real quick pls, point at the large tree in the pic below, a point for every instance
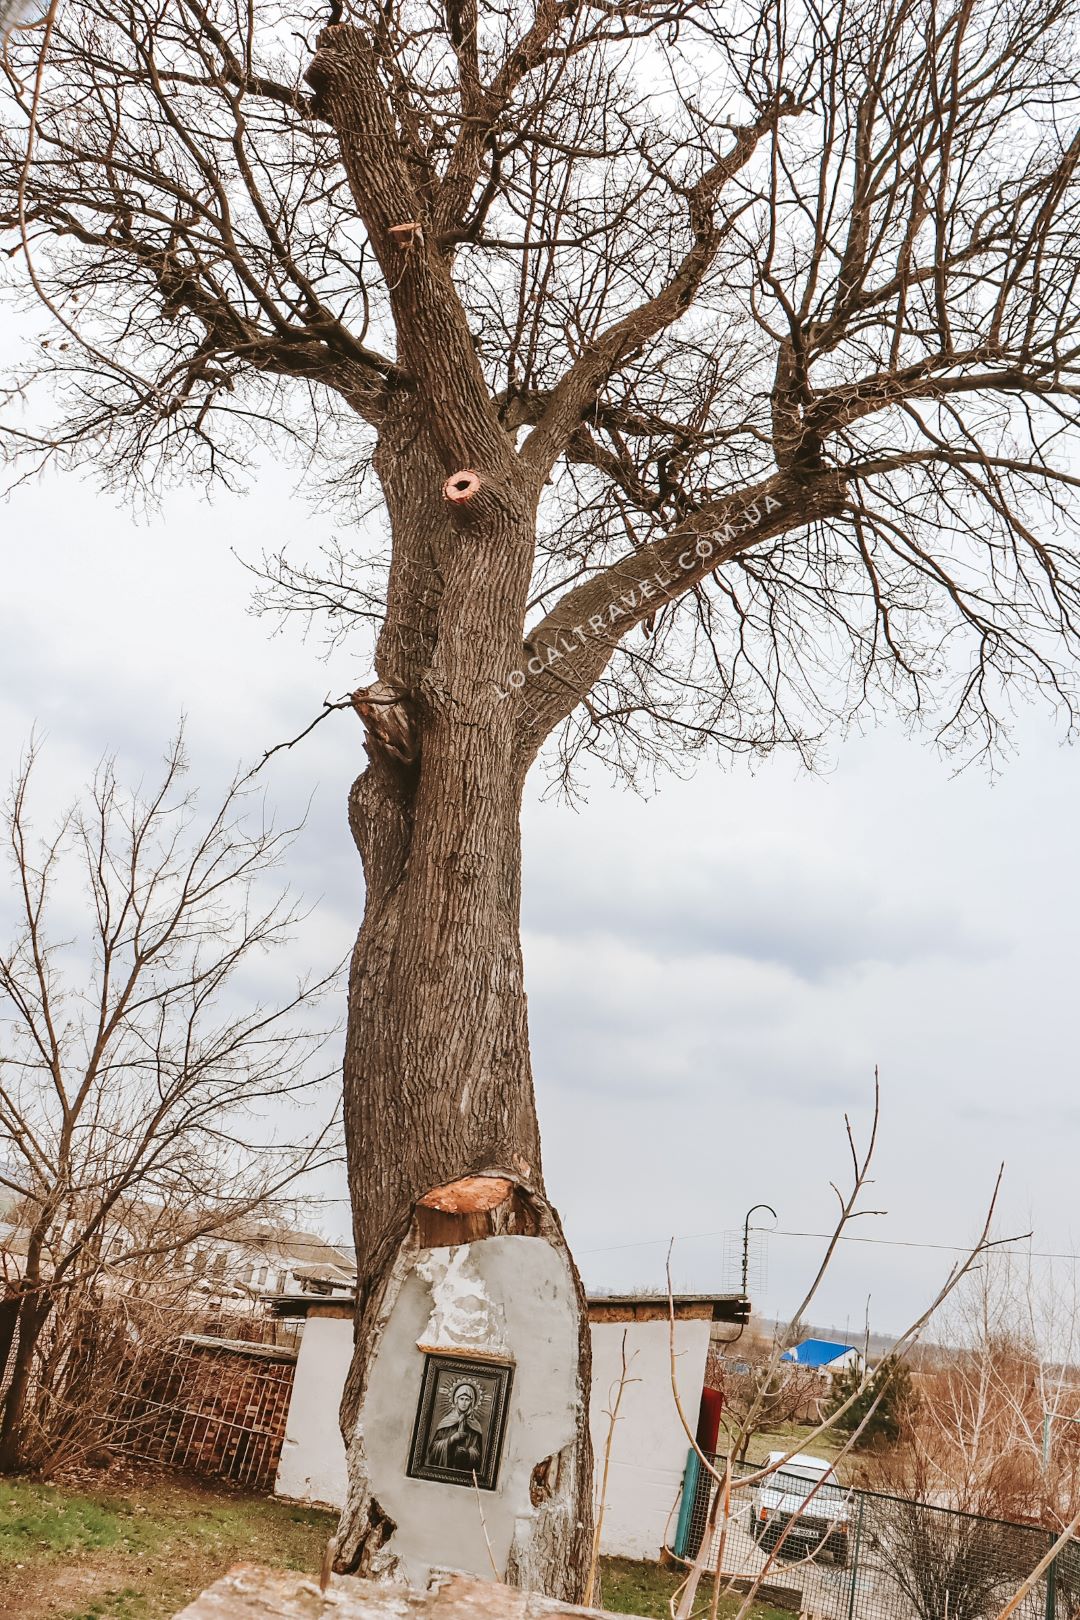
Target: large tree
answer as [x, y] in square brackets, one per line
[713, 368]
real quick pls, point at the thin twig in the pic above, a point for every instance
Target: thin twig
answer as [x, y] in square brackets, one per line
[612, 1414]
[484, 1528]
[328, 708]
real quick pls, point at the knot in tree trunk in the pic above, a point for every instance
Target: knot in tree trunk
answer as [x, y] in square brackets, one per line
[388, 722]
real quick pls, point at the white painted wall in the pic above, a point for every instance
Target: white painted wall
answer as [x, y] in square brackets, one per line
[312, 1466]
[648, 1451]
[649, 1447]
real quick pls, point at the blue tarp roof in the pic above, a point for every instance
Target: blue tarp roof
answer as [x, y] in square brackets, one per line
[816, 1352]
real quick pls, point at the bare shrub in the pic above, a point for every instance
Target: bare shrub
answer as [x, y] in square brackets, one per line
[146, 1101]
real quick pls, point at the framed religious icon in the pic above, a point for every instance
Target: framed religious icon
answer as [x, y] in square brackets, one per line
[460, 1421]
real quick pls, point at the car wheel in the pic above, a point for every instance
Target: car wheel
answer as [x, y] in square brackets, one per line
[840, 1551]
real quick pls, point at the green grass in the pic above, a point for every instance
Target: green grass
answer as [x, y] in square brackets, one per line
[145, 1552]
[43, 1521]
[632, 1587]
[140, 1554]
[126, 1604]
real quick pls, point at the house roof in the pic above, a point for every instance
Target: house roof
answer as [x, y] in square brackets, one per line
[280, 1242]
[731, 1308]
[602, 1307]
[816, 1352]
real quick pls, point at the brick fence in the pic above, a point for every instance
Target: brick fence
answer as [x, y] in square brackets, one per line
[213, 1407]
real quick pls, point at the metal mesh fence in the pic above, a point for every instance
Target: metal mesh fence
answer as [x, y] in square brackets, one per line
[209, 1409]
[846, 1554]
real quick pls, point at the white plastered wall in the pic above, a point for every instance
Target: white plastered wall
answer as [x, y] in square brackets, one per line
[648, 1451]
[312, 1466]
[519, 1292]
[649, 1446]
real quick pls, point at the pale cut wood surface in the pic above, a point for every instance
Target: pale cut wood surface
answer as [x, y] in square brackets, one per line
[250, 1593]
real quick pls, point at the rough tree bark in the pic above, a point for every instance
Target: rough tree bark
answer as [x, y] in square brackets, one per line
[438, 1083]
[32, 1316]
[33, 1312]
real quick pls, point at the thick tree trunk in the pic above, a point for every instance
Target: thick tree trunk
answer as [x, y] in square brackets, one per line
[438, 1083]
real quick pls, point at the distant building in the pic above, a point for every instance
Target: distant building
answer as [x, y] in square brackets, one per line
[824, 1356]
[12, 1191]
[256, 1259]
[248, 1261]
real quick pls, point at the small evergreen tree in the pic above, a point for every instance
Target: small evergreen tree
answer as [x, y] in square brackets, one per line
[889, 1387]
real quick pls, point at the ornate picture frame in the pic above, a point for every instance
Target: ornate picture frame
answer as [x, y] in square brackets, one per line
[460, 1425]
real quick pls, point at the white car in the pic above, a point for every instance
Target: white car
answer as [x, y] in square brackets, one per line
[779, 1502]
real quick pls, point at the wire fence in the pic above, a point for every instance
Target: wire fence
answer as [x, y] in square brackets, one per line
[846, 1554]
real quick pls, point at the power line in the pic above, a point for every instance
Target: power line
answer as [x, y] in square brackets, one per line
[892, 1243]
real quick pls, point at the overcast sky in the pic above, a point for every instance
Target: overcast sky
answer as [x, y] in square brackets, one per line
[713, 972]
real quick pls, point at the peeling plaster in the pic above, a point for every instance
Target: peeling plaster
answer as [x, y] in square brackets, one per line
[649, 1447]
[464, 1317]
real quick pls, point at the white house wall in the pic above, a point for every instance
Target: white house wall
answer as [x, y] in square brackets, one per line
[649, 1446]
[526, 1308]
[312, 1466]
[648, 1451]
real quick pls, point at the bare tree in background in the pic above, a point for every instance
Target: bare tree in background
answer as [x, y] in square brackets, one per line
[819, 1507]
[776, 1392]
[114, 1329]
[711, 369]
[968, 1480]
[976, 1439]
[149, 1094]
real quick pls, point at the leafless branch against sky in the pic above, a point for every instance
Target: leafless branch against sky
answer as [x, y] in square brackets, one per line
[147, 1080]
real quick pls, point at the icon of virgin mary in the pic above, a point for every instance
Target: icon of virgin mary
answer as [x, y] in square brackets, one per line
[458, 1440]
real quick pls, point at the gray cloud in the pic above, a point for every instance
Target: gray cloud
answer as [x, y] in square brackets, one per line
[712, 973]
[817, 911]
